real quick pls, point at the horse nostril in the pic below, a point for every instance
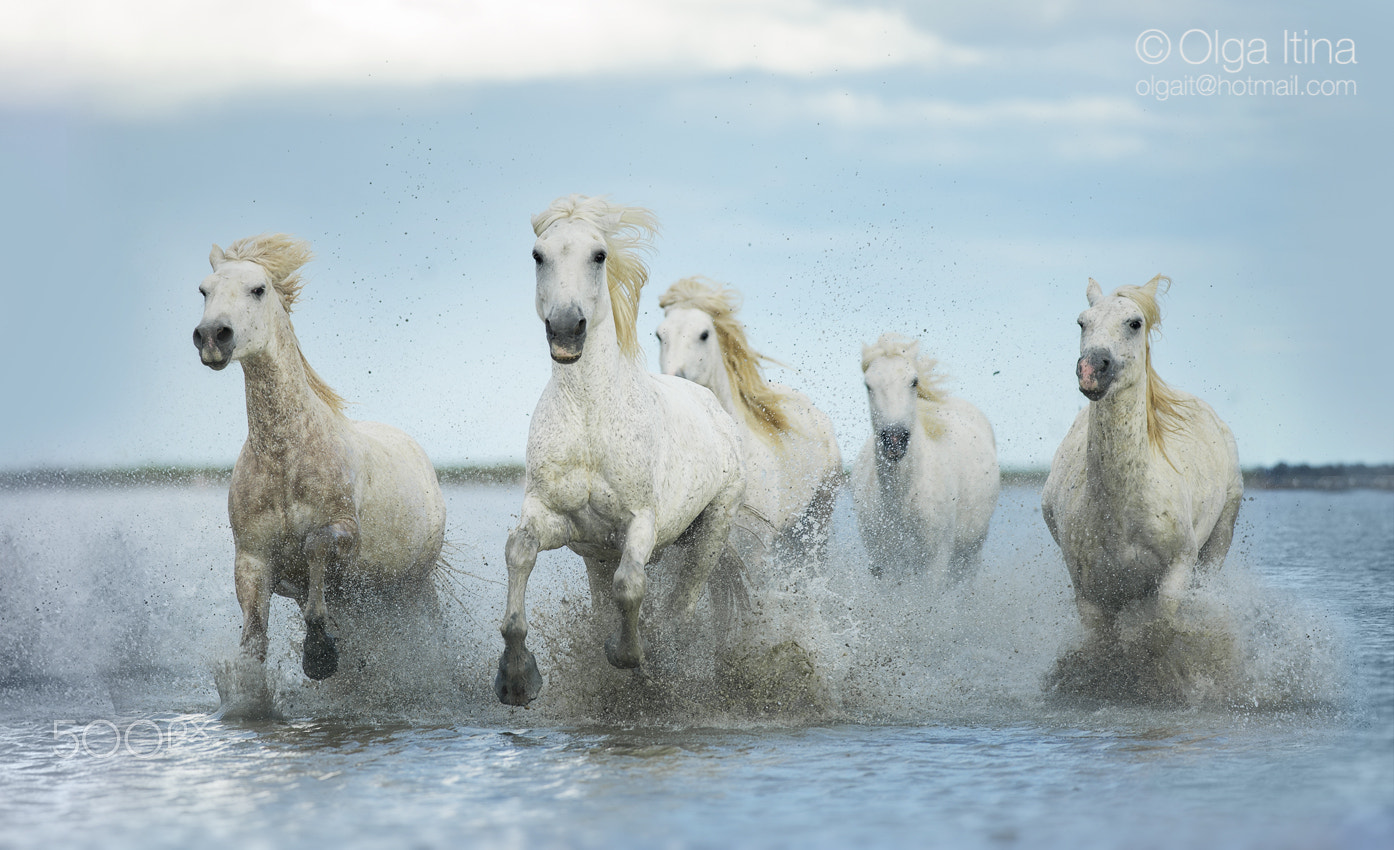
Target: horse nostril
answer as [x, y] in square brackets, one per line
[581, 326]
[198, 338]
[1103, 365]
[224, 335]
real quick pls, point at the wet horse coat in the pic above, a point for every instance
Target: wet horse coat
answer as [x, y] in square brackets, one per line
[1146, 485]
[318, 501]
[621, 463]
[793, 465]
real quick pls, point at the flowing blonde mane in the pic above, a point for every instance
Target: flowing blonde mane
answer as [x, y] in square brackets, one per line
[627, 232]
[762, 404]
[1167, 410]
[282, 257]
[930, 389]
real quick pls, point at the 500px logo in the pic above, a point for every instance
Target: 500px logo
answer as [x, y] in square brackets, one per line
[141, 738]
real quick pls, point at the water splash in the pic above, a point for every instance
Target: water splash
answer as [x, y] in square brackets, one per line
[122, 600]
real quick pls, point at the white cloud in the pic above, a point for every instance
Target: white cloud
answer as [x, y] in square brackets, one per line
[154, 53]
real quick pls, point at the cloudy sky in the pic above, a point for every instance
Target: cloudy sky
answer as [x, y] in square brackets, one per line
[955, 172]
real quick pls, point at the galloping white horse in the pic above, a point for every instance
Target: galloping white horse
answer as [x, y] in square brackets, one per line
[620, 462]
[925, 484]
[1146, 484]
[793, 466]
[318, 501]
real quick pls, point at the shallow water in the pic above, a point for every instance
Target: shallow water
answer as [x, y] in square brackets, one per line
[929, 720]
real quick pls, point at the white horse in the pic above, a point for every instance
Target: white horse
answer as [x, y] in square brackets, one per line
[1146, 484]
[620, 462]
[925, 484]
[793, 466]
[318, 501]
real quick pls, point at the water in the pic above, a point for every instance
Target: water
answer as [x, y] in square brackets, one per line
[929, 720]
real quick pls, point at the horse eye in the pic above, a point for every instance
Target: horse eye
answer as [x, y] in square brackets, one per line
[704, 336]
[259, 291]
[537, 256]
[915, 383]
[1135, 324]
[599, 256]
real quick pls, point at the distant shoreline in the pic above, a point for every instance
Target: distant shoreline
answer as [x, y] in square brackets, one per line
[1280, 477]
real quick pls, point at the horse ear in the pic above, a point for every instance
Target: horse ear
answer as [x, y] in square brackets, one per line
[216, 257]
[1094, 292]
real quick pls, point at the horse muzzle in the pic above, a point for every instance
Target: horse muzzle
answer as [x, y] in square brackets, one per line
[893, 442]
[1095, 372]
[566, 333]
[214, 343]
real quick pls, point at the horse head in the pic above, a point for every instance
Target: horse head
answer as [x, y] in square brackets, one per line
[904, 392]
[1113, 338]
[689, 346]
[239, 308]
[588, 271]
[892, 387]
[571, 291]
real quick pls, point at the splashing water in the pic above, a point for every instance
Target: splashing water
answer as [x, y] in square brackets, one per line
[125, 598]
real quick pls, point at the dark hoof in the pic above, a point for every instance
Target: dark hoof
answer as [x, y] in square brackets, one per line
[518, 680]
[321, 657]
[623, 660]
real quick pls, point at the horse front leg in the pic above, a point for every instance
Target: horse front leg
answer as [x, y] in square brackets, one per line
[334, 544]
[625, 648]
[252, 578]
[518, 680]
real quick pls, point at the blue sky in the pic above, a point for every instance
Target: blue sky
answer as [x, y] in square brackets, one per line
[952, 172]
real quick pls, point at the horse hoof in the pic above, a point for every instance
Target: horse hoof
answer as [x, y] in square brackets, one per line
[518, 680]
[625, 658]
[321, 657]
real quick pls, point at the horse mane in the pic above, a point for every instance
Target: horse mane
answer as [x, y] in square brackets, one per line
[282, 257]
[762, 404]
[1167, 409]
[930, 388]
[627, 232]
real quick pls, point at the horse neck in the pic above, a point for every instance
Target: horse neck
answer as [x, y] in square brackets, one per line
[1119, 453]
[282, 408]
[602, 376]
[725, 393]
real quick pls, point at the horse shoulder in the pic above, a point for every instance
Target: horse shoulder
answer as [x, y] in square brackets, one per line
[1065, 485]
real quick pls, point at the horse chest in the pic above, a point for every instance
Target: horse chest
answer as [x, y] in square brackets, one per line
[273, 507]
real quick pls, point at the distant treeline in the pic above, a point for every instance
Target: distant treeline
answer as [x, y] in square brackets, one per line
[1354, 476]
[1281, 477]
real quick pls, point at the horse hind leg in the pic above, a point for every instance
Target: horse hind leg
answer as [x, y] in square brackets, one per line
[334, 544]
[708, 538]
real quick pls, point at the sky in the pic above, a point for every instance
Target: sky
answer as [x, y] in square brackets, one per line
[953, 172]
